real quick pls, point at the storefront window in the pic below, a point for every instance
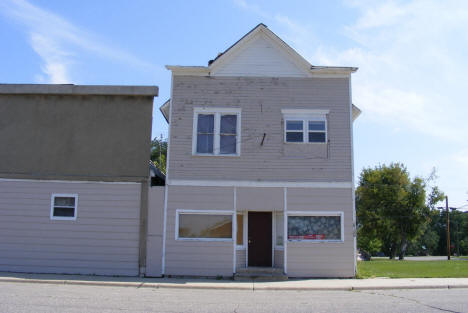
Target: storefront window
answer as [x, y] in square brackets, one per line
[314, 227]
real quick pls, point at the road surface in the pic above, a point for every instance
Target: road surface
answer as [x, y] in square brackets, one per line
[37, 298]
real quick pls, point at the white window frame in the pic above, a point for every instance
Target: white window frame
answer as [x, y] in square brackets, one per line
[275, 233]
[217, 112]
[305, 116]
[244, 230]
[205, 212]
[63, 218]
[316, 213]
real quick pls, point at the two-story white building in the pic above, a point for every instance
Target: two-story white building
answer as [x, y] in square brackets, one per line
[260, 164]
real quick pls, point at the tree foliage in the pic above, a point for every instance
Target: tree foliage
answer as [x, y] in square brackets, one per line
[391, 209]
[159, 153]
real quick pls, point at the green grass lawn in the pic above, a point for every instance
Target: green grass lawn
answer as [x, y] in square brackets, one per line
[412, 269]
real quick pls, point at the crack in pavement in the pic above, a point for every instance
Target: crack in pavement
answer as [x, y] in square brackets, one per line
[408, 299]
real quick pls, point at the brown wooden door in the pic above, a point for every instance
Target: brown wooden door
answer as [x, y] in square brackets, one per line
[259, 233]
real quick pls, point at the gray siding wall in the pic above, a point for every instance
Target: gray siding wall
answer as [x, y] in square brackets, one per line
[155, 231]
[260, 199]
[70, 137]
[103, 240]
[279, 258]
[241, 258]
[320, 259]
[189, 257]
[261, 101]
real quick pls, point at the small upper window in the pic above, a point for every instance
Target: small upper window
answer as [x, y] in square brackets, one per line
[216, 132]
[63, 207]
[302, 126]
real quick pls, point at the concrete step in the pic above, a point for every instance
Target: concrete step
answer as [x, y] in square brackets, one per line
[260, 274]
[256, 270]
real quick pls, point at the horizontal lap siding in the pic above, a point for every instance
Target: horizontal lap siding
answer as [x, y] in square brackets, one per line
[241, 258]
[261, 101]
[103, 240]
[279, 258]
[200, 258]
[320, 259]
[155, 231]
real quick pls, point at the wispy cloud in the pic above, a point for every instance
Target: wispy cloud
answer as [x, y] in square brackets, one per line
[410, 65]
[412, 62]
[59, 42]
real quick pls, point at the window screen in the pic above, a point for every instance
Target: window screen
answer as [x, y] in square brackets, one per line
[314, 227]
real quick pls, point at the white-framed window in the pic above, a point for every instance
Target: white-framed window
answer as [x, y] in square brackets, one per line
[305, 126]
[204, 225]
[279, 230]
[315, 226]
[63, 206]
[241, 232]
[216, 131]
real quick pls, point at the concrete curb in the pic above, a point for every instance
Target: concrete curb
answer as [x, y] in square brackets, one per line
[253, 286]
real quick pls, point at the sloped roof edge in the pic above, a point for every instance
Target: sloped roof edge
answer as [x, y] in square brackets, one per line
[165, 109]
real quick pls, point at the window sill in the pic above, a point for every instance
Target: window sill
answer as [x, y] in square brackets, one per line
[305, 143]
[58, 218]
[206, 239]
[215, 155]
[316, 241]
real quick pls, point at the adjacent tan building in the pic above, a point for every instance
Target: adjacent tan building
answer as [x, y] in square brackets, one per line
[74, 178]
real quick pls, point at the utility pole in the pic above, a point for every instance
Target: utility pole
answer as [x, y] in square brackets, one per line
[448, 228]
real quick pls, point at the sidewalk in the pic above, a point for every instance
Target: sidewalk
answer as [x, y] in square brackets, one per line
[292, 284]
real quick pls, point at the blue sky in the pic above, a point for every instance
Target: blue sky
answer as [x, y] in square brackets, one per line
[412, 59]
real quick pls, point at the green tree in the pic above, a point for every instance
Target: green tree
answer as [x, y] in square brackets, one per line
[391, 208]
[159, 153]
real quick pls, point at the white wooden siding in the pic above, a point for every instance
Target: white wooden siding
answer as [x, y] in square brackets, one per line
[240, 258]
[155, 231]
[260, 57]
[202, 258]
[103, 240]
[322, 259]
[279, 258]
[261, 101]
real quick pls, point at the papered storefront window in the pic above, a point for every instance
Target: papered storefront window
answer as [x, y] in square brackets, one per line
[192, 225]
[314, 227]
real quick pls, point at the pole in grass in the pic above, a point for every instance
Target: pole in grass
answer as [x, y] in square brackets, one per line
[448, 228]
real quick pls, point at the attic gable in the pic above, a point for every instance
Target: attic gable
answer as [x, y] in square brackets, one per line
[260, 53]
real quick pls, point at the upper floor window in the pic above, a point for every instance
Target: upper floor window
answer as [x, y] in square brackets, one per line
[216, 131]
[63, 206]
[305, 126]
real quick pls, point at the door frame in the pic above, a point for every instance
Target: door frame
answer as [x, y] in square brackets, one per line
[246, 236]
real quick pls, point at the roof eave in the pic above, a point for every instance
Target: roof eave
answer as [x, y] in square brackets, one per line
[333, 69]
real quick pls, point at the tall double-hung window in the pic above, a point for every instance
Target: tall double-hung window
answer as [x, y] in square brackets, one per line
[305, 126]
[216, 131]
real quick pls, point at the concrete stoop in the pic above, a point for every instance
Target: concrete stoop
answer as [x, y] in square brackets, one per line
[260, 274]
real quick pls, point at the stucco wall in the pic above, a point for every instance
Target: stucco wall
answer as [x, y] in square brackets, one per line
[74, 137]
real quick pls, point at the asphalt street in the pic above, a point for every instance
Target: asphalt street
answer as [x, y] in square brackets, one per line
[34, 297]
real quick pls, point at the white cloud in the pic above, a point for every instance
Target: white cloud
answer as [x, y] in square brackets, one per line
[58, 42]
[410, 65]
[412, 61]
